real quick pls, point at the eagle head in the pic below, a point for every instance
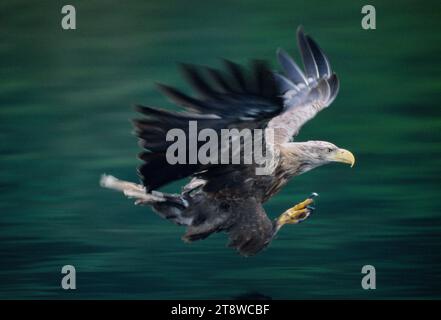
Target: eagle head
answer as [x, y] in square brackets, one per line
[305, 156]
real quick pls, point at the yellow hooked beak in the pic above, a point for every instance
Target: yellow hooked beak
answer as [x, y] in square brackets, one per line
[344, 156]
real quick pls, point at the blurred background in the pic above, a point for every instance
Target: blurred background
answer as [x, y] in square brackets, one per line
[66, 98]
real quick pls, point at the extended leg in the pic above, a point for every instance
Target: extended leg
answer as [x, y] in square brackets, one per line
[298, 213]
[168, 206]
[131, 190]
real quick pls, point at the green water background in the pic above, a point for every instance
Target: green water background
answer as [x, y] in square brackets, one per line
[66, 98]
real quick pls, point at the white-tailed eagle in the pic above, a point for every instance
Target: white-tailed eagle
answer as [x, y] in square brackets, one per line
[229, 197]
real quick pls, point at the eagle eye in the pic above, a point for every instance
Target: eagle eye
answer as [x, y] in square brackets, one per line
[329, 149]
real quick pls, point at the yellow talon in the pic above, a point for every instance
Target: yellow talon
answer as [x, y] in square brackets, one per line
[303, 204]
[297, 213]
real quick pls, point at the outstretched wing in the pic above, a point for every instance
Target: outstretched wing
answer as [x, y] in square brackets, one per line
[304, 93]
[235, 99]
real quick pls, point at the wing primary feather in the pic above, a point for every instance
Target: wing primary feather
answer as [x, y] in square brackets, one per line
[334, 83]
[154, 112]
[324, 90]
[217, 76]
[182, 99]
[322, 62]
[259, 73]
[284, 84]
[200, 84]
[264, 82]
[237, 73]
[311, 68]
[291, 69]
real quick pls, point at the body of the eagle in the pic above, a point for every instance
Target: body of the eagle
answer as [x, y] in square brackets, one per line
[230, 197]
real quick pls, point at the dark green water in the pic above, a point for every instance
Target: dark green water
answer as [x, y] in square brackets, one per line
[65, 102]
